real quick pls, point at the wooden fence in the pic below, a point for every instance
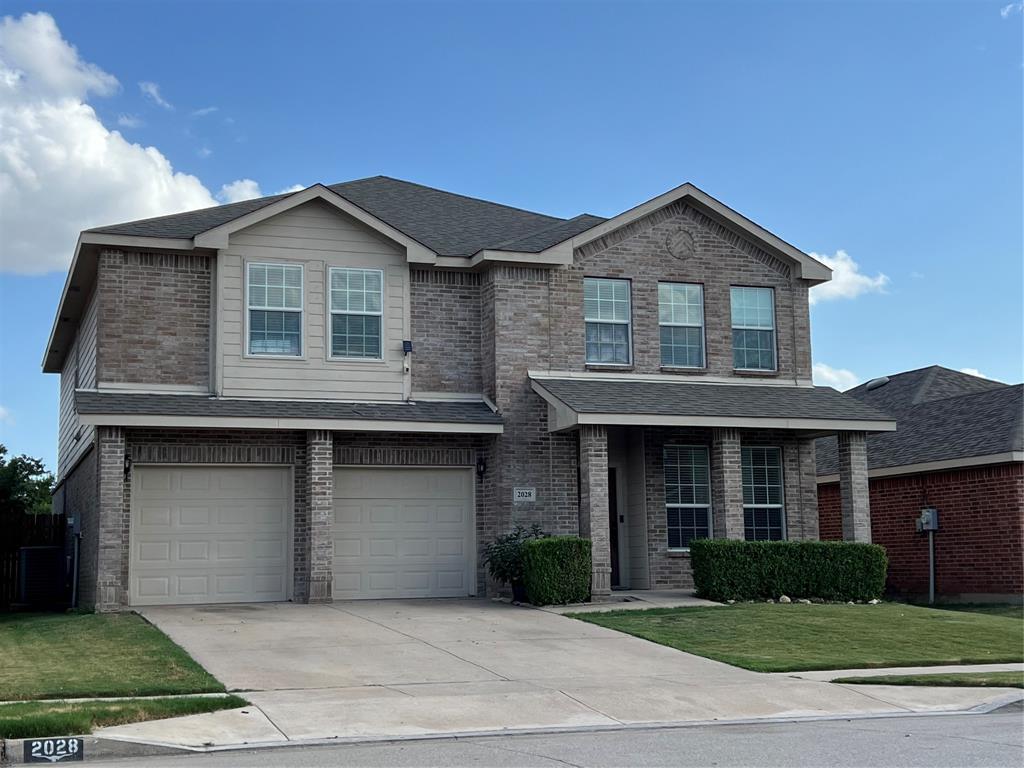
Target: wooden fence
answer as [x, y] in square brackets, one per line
[22, 530]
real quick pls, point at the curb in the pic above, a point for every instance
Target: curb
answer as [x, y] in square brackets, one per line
[108, 748]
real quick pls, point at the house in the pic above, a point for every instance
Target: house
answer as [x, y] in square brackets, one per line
[960, 450]
[346, 391]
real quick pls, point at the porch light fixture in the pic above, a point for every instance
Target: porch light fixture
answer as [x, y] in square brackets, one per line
[481, 466]
[406, 347]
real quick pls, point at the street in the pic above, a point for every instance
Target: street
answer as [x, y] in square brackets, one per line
[935, 740]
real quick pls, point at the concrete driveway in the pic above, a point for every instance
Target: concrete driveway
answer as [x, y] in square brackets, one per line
[380, 669]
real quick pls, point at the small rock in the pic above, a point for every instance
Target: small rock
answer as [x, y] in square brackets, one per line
[804, 601]
[875, 601]
[769, 600]
[850, 602]
[818, 600]
[784, 599]
[730, 602]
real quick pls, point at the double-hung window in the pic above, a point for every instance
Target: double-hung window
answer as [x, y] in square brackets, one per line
[762, 493]
[274, 301]
[687, 495]
[357, 301]
[753, 329]
[681, 320]
[606, 312]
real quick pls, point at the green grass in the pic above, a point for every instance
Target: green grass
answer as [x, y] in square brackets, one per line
[77, 655]
[789, 638]
[38, 719]
[973, 679]
[991, 609]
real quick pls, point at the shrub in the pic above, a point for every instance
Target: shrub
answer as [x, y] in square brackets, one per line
[504, 556]
[557, 570]
[747, 570]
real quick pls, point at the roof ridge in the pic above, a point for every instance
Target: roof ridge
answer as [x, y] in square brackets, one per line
[541, 231]
[457, 194]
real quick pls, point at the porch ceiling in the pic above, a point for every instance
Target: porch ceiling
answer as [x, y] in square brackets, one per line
[646, 402]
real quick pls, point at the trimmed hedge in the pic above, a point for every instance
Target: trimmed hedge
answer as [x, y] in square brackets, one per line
[725, 569]
[557, 570]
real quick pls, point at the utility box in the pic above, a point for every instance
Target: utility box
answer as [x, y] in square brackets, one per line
[929, 520]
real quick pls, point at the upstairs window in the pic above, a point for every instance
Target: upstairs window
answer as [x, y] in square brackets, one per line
[687, 495]
[761, 470]
[681, 321]
[357, 302]
[606, 311]
[274, 296]
[753, 329]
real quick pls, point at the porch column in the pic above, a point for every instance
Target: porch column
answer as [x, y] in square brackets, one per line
[726, 484]
[853, 486]
[594, 507]
[320, 501]
[111, 521]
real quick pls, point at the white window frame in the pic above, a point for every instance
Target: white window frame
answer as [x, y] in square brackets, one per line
[301, 311]
[702, 326]
[331, 312]
[708, 506]
[782, 491]
[773, 329]
[628, 322]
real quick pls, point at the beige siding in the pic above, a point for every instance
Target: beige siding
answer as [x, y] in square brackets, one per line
[73, 439]
[317, 236]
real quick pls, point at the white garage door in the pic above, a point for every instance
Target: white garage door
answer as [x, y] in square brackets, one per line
[209, 535]
[403, 533]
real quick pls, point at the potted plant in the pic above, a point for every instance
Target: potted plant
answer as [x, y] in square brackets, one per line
[504, 558]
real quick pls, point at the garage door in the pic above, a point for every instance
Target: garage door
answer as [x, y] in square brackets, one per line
[209, 535]
[403, 533]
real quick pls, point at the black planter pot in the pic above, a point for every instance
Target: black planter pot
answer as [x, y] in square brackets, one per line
[518, 591]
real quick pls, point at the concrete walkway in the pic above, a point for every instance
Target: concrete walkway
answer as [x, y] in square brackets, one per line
[832, 674]
[371, 670]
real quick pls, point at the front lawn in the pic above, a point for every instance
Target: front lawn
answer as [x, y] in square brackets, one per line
[957, 679]
[38, 719]
[1010, 610]
[79, 655]
[788, 638]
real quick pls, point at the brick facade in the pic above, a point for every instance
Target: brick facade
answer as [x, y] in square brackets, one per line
[445, 314]
[978, 549]
[319, 517]
[154, 319]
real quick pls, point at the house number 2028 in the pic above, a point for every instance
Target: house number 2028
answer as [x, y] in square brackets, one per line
[53, 750]
[524, 494]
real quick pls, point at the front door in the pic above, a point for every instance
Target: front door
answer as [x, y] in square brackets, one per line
[613, 524]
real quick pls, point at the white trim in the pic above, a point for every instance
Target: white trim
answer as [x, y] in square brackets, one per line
[218, 236]
[331, 312]
[773, 329]
[244, 422]
[783, 523]
[247, 340]
[702, 326]
[709, 506]
[137, 241]
[148, 388]
[746, 381]
[1008, 457]
[628, 322]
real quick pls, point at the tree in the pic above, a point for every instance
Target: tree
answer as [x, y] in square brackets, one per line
[25, 485]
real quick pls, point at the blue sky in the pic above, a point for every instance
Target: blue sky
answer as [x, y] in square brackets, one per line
[891, 132]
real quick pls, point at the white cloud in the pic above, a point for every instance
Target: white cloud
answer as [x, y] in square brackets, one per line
[204, 152]
[152, 90]
[292, 188]
[204, 111]
[840, 378]
[128, 121]
[236, 191]
[61, 170]
[5, 416]
[1011, 8]
[976, 372]
[847, 281]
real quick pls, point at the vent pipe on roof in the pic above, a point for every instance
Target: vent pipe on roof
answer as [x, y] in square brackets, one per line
[881, 381]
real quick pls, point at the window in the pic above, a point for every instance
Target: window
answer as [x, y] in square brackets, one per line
[687, 495]
[762, 494]
[606, 312]
[681, 317]
[357, 299]
[275, 309]
[753, 329]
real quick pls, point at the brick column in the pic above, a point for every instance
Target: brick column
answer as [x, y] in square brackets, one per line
[594, 507]
[320, 501]
[853, 486]
[726, 483]
[112, 521]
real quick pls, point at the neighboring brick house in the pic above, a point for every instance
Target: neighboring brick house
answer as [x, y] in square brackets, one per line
[959, 449]
[346, 391]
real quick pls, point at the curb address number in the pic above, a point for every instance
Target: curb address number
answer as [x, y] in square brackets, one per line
[53, 750]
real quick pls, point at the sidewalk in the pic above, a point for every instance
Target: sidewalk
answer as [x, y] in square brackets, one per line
[832, 674]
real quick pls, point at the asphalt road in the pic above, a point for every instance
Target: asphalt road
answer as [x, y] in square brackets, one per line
[951, 740]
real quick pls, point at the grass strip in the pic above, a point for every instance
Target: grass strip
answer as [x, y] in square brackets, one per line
[953, 679]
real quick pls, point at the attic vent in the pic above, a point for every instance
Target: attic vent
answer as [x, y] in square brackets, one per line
[881, 381]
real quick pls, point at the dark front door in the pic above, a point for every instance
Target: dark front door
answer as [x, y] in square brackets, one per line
[613, 524]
